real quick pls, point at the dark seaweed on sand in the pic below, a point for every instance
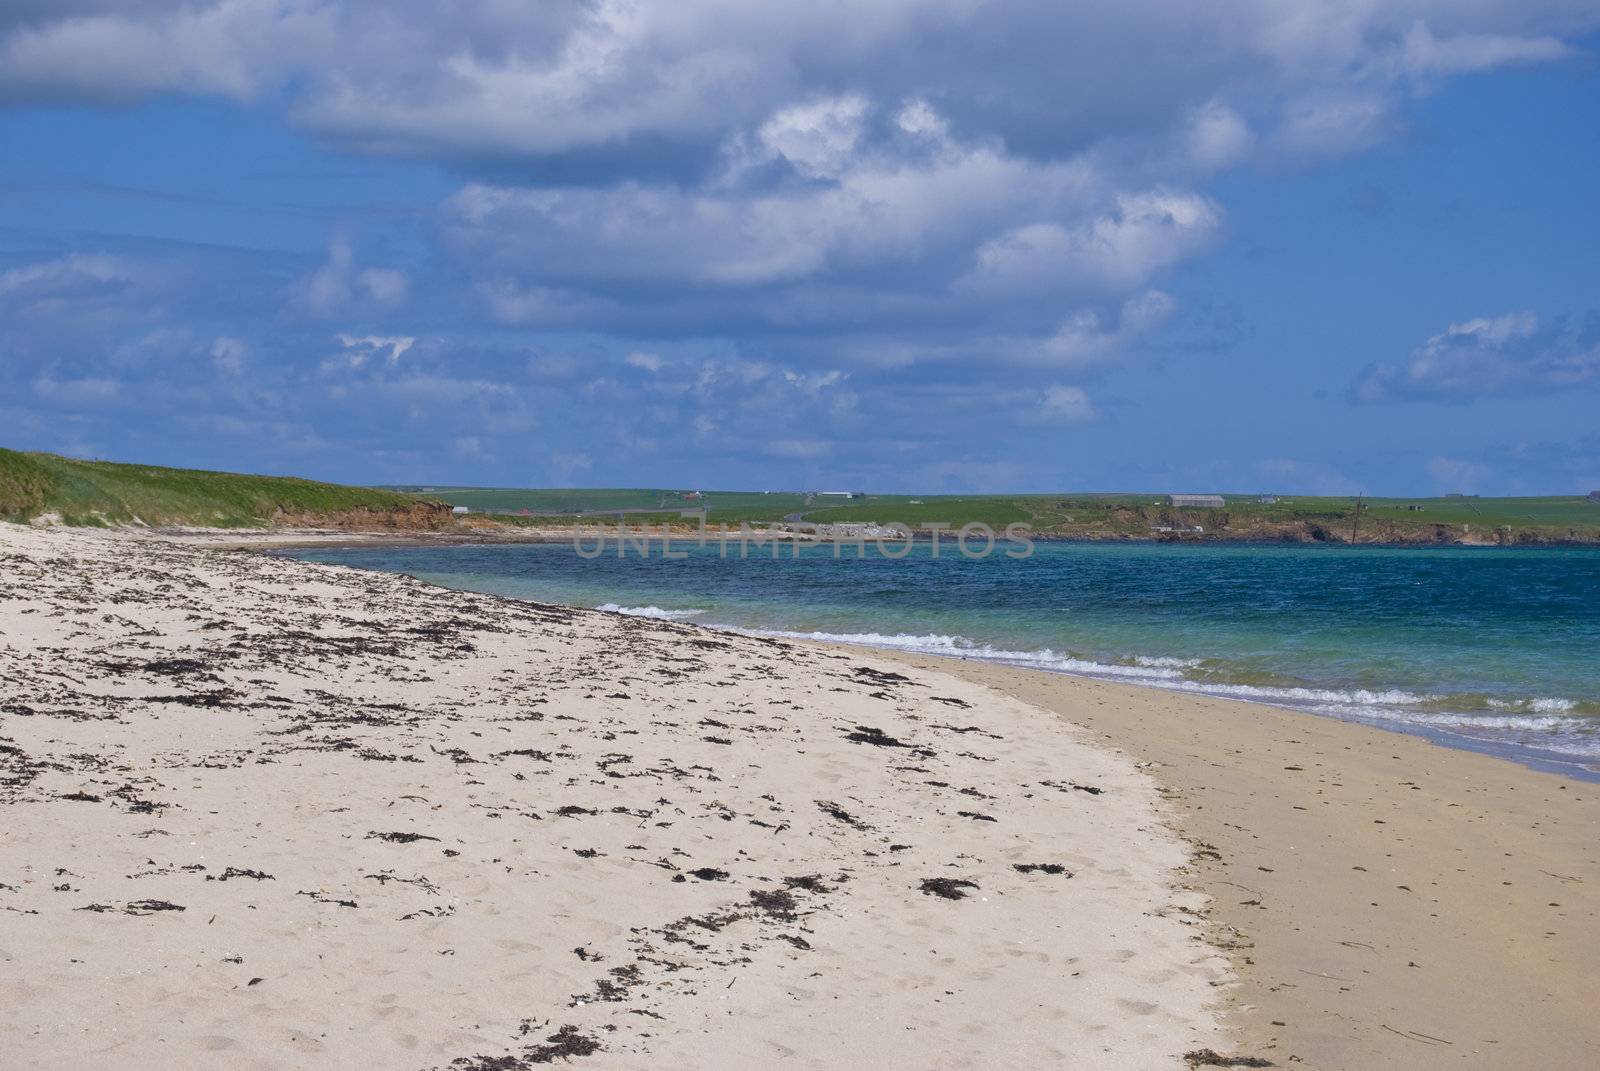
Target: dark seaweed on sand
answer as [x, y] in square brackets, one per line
[868, 734]
[564, 1044]
[1211, 1058]
[833, 810]
[949, 888]
[234, 872]
[150, 907]
[774, 903]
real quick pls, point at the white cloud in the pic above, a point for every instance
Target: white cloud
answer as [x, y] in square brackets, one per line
[327, 291]
[1489, 356]
[813, 383]
[227, 47]
[229, 355]
[1424, 54]
[894, 218]
[489, 78]
[919, 118]
[1327, 123]
[827, 186]
[338, 284]
[624, 86]
[1067, 405]
[65, 276]
[386, 286]
[1216, 136]
[817, 138]
[1140, 234]
[365, 346]
[1085, 338]
[880, 209]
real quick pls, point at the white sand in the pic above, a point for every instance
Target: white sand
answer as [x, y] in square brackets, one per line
[169, 713]
[1389, 903]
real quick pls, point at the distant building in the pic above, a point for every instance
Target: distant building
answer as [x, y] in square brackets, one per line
[1594, 496]
[1203, 501]
[1458, 494]
[842, 494]
[461, 511]
[1267, 500]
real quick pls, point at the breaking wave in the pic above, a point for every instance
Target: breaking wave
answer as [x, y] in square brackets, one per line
[655, 612]
[1557, 724]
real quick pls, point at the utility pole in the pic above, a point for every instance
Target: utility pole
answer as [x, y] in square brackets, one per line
[1355, 527]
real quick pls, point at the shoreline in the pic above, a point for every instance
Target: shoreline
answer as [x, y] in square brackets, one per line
[1387, 902]
[511, 535]
[1540, 761]
[1528, 755]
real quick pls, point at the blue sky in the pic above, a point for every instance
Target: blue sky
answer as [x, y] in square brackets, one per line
[905, 245]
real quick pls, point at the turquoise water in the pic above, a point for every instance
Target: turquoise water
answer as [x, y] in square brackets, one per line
[1493, 649]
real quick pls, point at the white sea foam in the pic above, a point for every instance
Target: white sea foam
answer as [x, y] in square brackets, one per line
[1540, 705]
[1547, 718]
[1532, 722]
[1392, 697]
[655, 612]
[1165, 663]
[962, 647]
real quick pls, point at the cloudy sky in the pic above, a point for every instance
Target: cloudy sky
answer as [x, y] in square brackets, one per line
[919, 245]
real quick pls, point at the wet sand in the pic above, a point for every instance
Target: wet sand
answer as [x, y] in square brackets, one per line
[1389, 903]
[266, 813]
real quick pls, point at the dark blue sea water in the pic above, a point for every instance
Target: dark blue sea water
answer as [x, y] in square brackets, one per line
[1494, 649]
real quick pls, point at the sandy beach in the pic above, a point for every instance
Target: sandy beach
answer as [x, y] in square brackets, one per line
[285, 815]
[1388, 903]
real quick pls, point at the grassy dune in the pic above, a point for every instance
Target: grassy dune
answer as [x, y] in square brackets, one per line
[105, 493]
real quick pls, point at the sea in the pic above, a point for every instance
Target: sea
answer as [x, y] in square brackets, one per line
[1495, 650]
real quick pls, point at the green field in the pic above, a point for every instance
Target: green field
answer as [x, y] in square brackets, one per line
[1081, 515]
[723, 506]
[541, 500]
[103, 493]
[1549, 510]
[106, 493]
